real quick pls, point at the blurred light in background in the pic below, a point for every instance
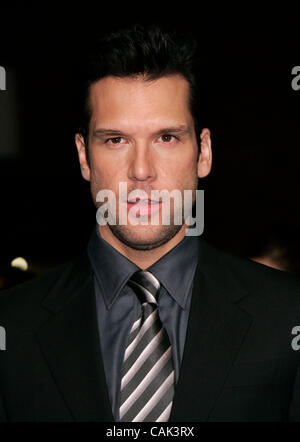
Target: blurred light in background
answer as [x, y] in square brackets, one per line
[20, 263]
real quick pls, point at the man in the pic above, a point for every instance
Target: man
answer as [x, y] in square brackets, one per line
[150, 324]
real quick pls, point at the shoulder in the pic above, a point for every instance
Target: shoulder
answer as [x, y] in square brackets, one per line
[25, 299]
[251, 276]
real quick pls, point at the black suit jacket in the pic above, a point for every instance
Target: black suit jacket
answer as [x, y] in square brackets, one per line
[238, 362]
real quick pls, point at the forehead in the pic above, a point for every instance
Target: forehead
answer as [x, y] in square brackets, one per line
[127, 101]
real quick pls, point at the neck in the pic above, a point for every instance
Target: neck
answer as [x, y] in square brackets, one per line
[142, 258]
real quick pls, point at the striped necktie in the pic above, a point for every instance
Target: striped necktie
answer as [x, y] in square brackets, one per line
[147, 386]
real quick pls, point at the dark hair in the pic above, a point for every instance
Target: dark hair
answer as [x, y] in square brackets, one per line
[148, 50]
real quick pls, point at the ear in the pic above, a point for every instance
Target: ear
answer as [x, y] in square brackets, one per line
[81, 149]
[205, 157]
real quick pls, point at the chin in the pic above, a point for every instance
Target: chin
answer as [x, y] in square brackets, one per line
[145, 237]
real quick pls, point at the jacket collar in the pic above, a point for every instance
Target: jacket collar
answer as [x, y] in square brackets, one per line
[70, 344]
[216, 329]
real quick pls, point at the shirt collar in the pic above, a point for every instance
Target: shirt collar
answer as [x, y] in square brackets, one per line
[175, 270]
[111, 268]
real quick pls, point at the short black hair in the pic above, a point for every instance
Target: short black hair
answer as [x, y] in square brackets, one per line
[150, 50]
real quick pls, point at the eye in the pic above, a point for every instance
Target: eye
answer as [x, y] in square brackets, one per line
[115, 140]
[167, 138]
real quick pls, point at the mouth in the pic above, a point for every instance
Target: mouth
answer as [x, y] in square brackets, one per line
[142, 201]
[143, 206]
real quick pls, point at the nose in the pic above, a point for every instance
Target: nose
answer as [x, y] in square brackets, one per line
[141, 166]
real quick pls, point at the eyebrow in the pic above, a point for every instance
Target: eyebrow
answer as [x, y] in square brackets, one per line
[113, 132]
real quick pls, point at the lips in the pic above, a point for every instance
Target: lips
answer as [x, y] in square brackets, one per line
[142, 201]
[143, 207]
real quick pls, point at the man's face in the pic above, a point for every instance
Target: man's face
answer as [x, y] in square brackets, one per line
[142, 134]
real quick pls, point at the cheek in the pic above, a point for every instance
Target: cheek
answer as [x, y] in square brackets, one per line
[182, 175]
[106, 175]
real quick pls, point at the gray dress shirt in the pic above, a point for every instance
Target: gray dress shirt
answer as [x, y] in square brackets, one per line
[118, 307]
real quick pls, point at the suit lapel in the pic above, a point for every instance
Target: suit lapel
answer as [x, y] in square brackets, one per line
[70, 344]
[216, 329]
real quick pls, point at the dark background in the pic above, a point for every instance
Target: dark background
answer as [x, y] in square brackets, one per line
[252, 111]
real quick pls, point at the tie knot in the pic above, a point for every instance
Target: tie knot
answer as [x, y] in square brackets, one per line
[145, 285]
